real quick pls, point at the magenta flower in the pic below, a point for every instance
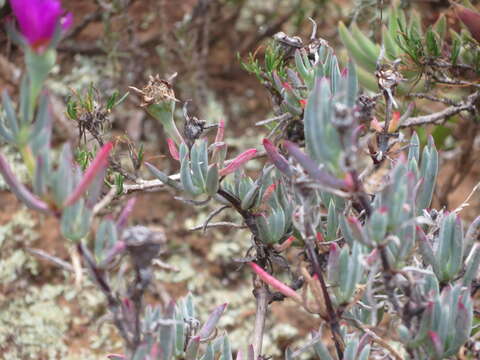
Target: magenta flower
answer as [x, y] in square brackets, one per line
[38, 18]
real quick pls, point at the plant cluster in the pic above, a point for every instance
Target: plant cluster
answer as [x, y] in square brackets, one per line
[388, 275]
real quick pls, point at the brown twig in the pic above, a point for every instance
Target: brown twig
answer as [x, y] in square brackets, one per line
[155, 185]
[375, 337]
[333, 318]
[433, 98]
[468, 105]
[218, 224]
[262, 297]
[55, 260]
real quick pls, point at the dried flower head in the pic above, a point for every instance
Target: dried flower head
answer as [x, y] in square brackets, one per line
[156, 91]
[143, 244]
[388, 77]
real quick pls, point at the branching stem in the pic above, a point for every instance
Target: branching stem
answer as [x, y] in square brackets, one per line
[262, 297]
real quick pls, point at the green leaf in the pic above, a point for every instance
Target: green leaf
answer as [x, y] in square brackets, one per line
[352, 84]
[38, 67]
[433, 47]
[180, 330]
[75, 221]
[25, 109]
[141, 353]
[354, 49]
[367, 79]
[440, 26]
[10, 114]
[456, 45]
[322, 138]
[392, 50]
[364, 355]
[226, 349]
[186, 177]
[6, 134]
[322, 351]
[111, 101]
[211, 184]
[42, 170]
[371, 49]
[209, 353]
[428, 171]
[105, 239]
[63, 178]
[414, 148]
[351, 350]
[288, 354]
[192, 348]
[277, 225]
[445, 244]
[248, 200]
[332, 222]
[198, 176]
[167, 332]
[189, 306]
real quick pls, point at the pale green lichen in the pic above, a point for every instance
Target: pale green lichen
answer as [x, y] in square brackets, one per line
[36, 314]
[14, 159]
[14, 237]
[86, 71]
[33, 325]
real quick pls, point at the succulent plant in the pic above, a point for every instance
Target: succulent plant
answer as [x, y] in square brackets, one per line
[368, 255]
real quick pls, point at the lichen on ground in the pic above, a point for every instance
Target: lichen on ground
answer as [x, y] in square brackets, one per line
[40, 318]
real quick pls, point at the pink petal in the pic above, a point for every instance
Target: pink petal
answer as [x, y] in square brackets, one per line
[67, 21]
[37, 19]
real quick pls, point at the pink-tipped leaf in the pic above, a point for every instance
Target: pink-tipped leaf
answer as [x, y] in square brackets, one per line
[172, 147]
[22, 193]
[220, 131]
[126, 211]
[97, 166]
[209, 326]
[276, 284]
[276, 158]
[238, 162]
[321, 176]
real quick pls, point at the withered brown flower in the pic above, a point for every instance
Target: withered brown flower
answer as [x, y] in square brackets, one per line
[156, 91]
